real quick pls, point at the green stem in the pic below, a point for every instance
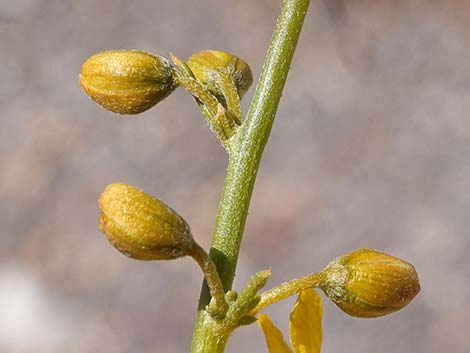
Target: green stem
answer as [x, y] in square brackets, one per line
[211, 336]
[247, 148]
[286, 289]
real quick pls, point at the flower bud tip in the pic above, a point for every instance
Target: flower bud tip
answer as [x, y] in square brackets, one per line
[141, 226]
[127, 81]
[368, 283]
[206, 64]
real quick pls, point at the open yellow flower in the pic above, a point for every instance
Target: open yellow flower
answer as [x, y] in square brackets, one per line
[305, 326]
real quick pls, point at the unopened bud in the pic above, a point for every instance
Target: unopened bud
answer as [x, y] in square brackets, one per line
[127, 81]
[207, 64]
[141, 226]
[368, 283]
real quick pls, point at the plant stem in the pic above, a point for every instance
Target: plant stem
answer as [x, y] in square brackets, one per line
[247, 148]
[286, 289]
[212, 278]
[211, 336]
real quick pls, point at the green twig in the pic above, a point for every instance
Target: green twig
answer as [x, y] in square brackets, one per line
[287, 289]
[218, 306]
[247, 148]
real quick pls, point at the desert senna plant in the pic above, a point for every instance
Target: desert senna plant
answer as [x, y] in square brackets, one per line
[363, 283]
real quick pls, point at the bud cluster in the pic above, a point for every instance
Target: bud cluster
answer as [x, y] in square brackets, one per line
[363, 283]
[132, 81]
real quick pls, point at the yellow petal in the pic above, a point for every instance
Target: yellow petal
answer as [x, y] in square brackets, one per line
[274, 339]
[305, 323]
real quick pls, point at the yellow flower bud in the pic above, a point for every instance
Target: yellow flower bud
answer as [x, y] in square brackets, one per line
[141, 226]
[206, 64]
[368, 283]
[127, 81]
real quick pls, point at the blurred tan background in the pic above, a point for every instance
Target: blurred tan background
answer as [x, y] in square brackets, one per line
[371, 148]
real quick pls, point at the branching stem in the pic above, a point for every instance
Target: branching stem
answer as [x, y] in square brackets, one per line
[247, 147]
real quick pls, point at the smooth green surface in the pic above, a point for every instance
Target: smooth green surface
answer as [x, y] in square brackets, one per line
[247, 148]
